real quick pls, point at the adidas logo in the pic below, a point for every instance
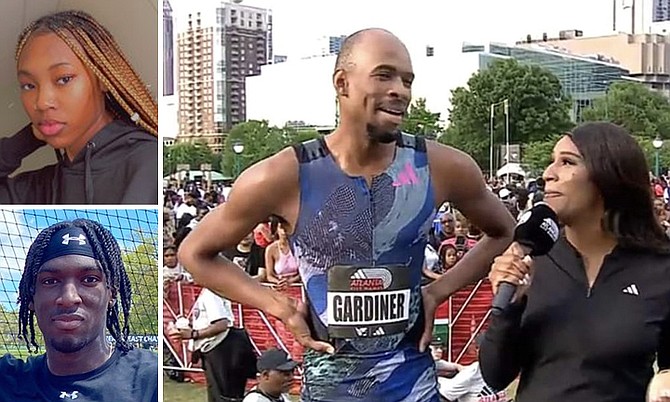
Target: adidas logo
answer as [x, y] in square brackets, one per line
[406, 176]
[631, 290]
[379, 332]
[361, 331]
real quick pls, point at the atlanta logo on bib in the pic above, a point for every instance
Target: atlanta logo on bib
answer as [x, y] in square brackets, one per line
[367, 301]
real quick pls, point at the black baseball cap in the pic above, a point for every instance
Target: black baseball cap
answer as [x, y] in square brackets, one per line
[275, 359]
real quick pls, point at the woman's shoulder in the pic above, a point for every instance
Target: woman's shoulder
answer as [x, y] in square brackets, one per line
[656, 260]
[120, 133]
[273, 247]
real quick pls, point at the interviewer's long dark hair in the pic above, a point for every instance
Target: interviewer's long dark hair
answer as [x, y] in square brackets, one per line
[618, 168]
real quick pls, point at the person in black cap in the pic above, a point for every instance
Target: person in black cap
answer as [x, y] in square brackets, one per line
[74, 283]
[275, 377]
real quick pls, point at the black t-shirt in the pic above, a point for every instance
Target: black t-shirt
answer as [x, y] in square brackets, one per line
[249, 260]
[125, 377]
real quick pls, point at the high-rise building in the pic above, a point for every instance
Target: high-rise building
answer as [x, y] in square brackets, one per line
[220, 47]
[278, 58]
[335, 43]
[168, 50]
[661, 11]
[269, 37]
[324, 46]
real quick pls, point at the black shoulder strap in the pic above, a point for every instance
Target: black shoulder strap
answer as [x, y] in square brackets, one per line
[310, 150]
[412, 141]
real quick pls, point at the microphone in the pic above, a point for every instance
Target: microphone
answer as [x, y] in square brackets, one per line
[536, 233]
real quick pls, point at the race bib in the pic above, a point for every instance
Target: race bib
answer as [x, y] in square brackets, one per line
[368, 301]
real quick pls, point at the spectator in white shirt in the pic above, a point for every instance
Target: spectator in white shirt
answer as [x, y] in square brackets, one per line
[188, 206]
[226, 352]
[468, 385]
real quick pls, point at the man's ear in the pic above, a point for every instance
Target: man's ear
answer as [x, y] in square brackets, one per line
[112, 298]
[341, 83]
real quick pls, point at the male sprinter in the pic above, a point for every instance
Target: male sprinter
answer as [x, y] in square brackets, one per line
[358, 205]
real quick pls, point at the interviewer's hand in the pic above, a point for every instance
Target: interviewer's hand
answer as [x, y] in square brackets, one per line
[659, 387]
[514, 267]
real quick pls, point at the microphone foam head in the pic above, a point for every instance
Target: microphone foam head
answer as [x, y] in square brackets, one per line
[538, 229]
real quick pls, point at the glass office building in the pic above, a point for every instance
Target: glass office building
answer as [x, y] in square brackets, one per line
[582, 79]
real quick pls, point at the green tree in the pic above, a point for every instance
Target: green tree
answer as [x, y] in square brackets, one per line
[9, 325]
[194, 154]
[260, 141]
[643, 112]
[650, 153]
[537, 108]
[421, 121]
[537, 154]
[293, 135]
[141, 265]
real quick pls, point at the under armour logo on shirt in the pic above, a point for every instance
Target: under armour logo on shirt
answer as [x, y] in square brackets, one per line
[81, 239]
[72, 395]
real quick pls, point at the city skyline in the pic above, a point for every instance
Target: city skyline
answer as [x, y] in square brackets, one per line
[297, 23]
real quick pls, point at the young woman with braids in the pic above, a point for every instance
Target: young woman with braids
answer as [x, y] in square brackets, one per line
[85, 100]
[75, 284]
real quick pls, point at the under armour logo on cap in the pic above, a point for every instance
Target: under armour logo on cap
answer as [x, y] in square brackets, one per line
[68, 241]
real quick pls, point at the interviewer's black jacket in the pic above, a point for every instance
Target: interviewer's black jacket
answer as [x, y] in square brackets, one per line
[119, 165]
[572, 343]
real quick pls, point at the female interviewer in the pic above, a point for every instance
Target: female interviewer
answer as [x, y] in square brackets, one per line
[590, 317]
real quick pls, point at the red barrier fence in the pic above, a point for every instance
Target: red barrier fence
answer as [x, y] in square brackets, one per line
[458, 320]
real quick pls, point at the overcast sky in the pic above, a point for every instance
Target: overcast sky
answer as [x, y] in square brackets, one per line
[298, 23]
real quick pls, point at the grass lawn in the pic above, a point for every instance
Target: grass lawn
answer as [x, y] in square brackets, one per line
[183, 391]
[187, 392]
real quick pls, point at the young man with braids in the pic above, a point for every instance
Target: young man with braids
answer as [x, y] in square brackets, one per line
[75, 285]
[85, 100]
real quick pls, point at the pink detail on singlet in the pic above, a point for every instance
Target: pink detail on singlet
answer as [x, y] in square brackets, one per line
[286, 265]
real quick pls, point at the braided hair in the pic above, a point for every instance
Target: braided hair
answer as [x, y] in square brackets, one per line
[108, 255]
[128, 97]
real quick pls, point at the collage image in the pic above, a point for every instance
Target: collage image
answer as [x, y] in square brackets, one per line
[79, 192]
[334, 201]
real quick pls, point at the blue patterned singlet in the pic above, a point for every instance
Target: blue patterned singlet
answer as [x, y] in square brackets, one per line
[343, 221]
